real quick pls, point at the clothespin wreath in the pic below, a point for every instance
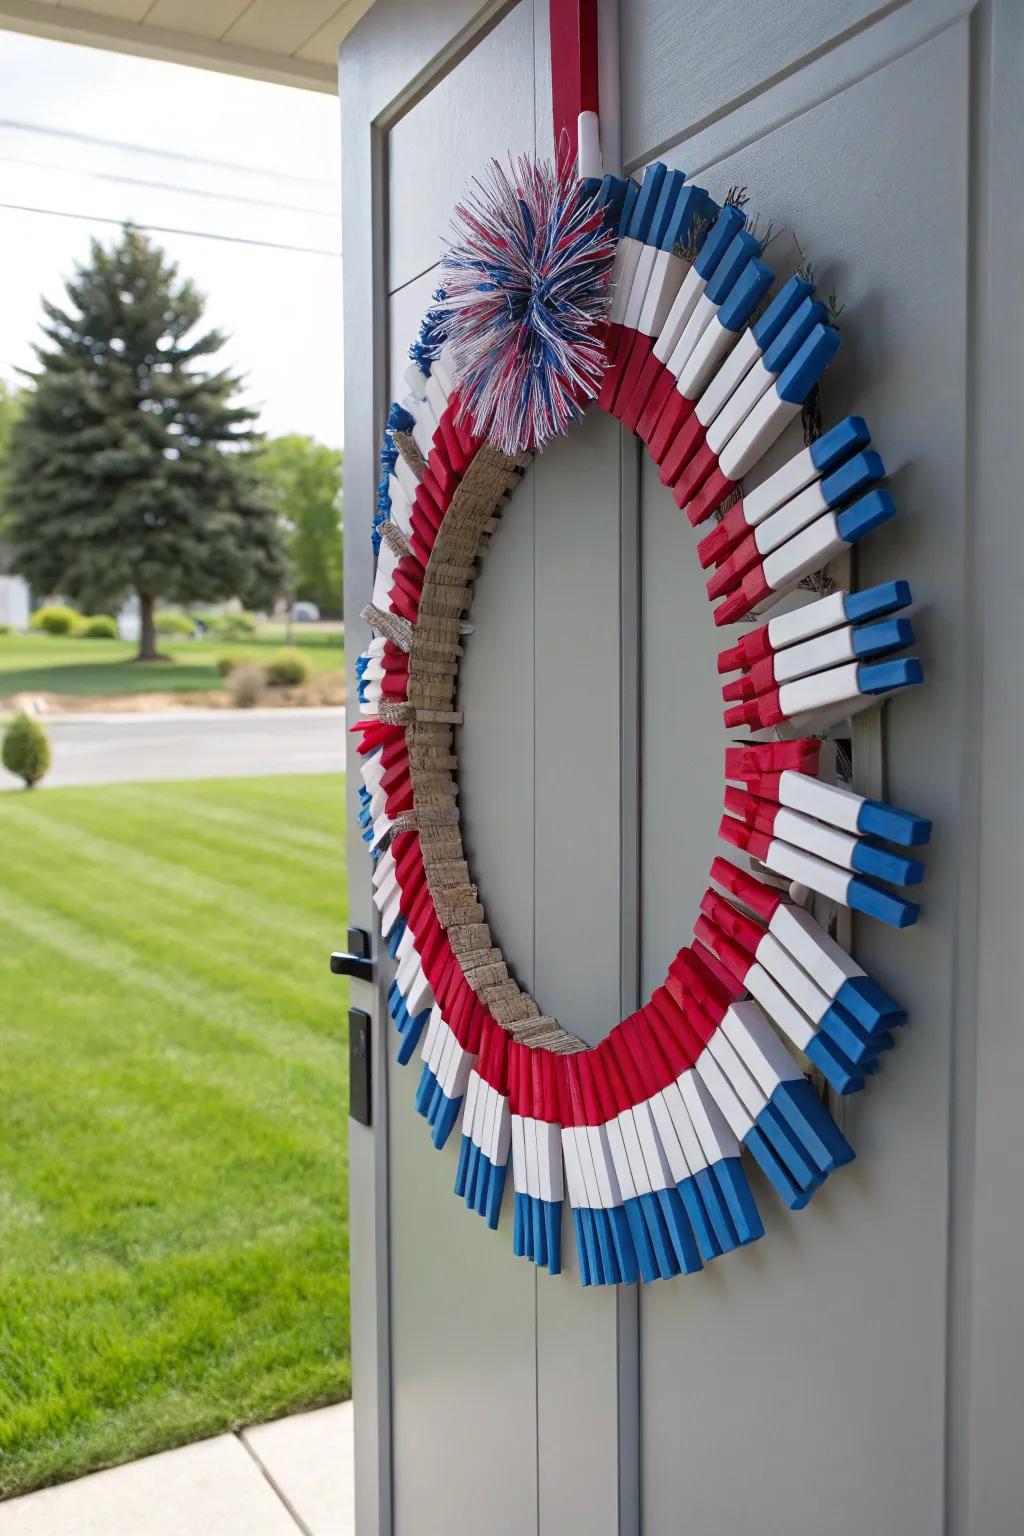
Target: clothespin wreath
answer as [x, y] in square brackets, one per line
[561, 287]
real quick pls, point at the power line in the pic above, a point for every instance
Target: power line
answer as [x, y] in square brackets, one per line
[167, 229]
[143, 149]
[167, 186]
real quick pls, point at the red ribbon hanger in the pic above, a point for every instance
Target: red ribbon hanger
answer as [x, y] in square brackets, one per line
[574, 91]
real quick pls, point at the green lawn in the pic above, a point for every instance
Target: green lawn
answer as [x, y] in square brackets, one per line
[173, 1154]
[38, 663]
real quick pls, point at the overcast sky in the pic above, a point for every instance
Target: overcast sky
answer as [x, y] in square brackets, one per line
[98, 137]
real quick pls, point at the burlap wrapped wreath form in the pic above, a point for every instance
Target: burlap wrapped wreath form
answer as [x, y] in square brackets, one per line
[429, 716]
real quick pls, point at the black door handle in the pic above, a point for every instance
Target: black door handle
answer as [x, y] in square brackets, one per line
[356, 960]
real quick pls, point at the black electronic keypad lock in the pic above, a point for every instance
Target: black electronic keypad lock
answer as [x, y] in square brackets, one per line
[359, 1072]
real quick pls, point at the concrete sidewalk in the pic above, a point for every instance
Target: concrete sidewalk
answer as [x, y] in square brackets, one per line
[281, 1479]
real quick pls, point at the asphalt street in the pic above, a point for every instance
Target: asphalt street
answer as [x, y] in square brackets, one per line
[191, 744]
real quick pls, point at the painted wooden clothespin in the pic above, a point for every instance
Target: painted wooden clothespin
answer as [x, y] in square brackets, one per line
[849, 851]
[789, 1135]
[836, 691]
[749, 351]
[719, 470]
[632, 240]
[794, 1139]
[719, 917]
[780, 1007]
[841, 807]
[824, 456]
[723, 1184]
[746, 288]
[849, 481]
[728, 225]
[741, 252]
[658, 275]
[828, 536]
[819, 874]
[486, 1128]
[767, 395]
[861, 642]
[683, 459]
[665, 1055]
[815, 618]
[537, 1164]
[836, 973]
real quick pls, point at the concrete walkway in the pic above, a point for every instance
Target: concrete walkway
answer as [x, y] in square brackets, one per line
[190, 744]
[281, 1479]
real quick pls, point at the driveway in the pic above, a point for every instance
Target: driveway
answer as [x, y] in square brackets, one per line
[191, 744]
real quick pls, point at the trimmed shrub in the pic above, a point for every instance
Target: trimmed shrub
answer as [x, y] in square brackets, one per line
[171, 621]
[246, 685]
[26, 749]
[232, 626]
[55, 619]
[287, 668]
[98, 626]
[5, 629]
[227, 664]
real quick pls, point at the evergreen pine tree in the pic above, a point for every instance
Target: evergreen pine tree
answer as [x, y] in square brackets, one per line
[130, 468]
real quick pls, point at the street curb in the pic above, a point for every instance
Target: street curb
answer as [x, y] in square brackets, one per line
[135, 717]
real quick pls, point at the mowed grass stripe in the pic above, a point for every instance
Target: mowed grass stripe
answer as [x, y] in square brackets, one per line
[173, 1240]
[258, 966]
[216, 1008]
[222, 851]
[244, 828]
[151, 873]
[246, 1122]
[261, 802]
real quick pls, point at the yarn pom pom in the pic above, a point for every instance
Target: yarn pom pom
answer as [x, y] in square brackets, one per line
[526, 284]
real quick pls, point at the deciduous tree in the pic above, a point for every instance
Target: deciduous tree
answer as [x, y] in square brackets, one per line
[304, 480]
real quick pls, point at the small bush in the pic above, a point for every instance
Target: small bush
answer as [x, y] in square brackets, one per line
[5, 629]
[227, 664]
[286, 669]
[233, 626]
[246, 685]
[171, 621]
[26, 749]
[98, 626]
[55, 619]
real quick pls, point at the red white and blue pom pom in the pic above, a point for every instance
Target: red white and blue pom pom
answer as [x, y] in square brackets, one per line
[526, 284]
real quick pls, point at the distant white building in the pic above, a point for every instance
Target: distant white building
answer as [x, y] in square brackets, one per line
[129, 623]
[15, 602]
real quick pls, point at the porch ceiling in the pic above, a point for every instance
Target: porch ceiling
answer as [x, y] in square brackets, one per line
[294, 42]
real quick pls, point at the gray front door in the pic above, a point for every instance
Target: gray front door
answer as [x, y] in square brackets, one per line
[815, 1382]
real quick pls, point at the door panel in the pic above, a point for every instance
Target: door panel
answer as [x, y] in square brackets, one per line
[796, 1366]
[682, 734]
[578, 919]
[540, 763]
[463, 1313]
[696, 57]
[482, 110]
[488, 1359]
